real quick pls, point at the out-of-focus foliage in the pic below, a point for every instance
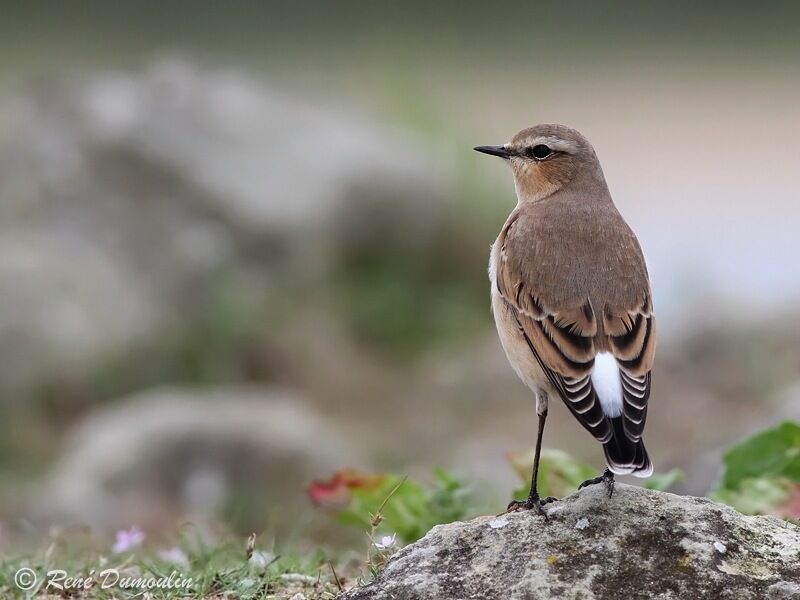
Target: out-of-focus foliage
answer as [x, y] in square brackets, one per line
[762, 476]
[402, 305]
[391, 503]
[774, 452]
[762, 473]
[387, 503]
[559, 473]
[663, 481]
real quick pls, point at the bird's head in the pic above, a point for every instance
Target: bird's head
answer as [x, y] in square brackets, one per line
[545, 158]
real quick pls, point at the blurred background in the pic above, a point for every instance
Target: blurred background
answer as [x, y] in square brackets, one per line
[244, 244]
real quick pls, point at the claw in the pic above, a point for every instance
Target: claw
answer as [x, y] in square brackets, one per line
[589, 482]
[534, 503]
[607, 477]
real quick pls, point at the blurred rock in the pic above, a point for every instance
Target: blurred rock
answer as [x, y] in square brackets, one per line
[638, 544]
[124, 197]
[273, 163]
[183, 452]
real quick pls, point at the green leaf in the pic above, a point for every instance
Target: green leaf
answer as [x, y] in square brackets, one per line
[663, 481]
[754, 496]
[771, 453]
[449, 499]
[762, 471]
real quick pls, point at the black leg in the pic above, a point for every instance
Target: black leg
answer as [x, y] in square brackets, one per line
[533, 501]
[535, 474]
[607, 477]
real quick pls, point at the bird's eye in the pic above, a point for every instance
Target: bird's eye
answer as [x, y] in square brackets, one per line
[540, 151]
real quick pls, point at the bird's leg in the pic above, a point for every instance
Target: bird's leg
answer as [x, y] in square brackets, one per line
[607, 477]
[533, 501]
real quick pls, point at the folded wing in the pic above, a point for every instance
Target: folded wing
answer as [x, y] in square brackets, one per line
[564, 339]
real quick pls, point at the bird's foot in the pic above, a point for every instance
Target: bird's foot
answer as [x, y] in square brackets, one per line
[607, 477]
[532, 503]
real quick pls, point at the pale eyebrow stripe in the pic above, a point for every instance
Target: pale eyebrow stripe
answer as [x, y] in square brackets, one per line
[555, 143]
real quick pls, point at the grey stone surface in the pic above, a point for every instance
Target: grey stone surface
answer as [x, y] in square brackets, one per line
[638, 544]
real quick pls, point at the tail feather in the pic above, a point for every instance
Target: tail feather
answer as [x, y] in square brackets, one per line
[625, 456]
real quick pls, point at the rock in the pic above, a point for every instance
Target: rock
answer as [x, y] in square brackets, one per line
[125, 197]
[638, 544]
[179, 451]
[269, 162]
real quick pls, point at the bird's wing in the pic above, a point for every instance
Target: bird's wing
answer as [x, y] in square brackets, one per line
[631, 333]
[561, 340]
[564, 331]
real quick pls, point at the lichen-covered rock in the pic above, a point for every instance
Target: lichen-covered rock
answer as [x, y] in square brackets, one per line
[638, 544]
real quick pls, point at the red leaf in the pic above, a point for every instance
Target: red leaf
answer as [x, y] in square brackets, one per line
[335, 492]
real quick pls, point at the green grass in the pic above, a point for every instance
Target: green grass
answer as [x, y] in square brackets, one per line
[223, 571]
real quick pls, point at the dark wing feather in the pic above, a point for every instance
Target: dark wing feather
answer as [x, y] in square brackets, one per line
[561, 328]
[562, 344]
[631, 336]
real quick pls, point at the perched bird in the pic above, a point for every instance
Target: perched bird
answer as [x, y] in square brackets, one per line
[571, 298]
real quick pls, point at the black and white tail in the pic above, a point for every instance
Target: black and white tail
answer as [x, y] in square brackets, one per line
[624, 456]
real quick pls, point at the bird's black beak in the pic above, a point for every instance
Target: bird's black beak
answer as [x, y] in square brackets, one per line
[500, 151]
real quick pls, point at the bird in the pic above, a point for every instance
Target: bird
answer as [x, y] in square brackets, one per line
[572, 300]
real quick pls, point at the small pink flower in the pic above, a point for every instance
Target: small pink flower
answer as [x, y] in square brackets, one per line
[386, 542]
[127, 539]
